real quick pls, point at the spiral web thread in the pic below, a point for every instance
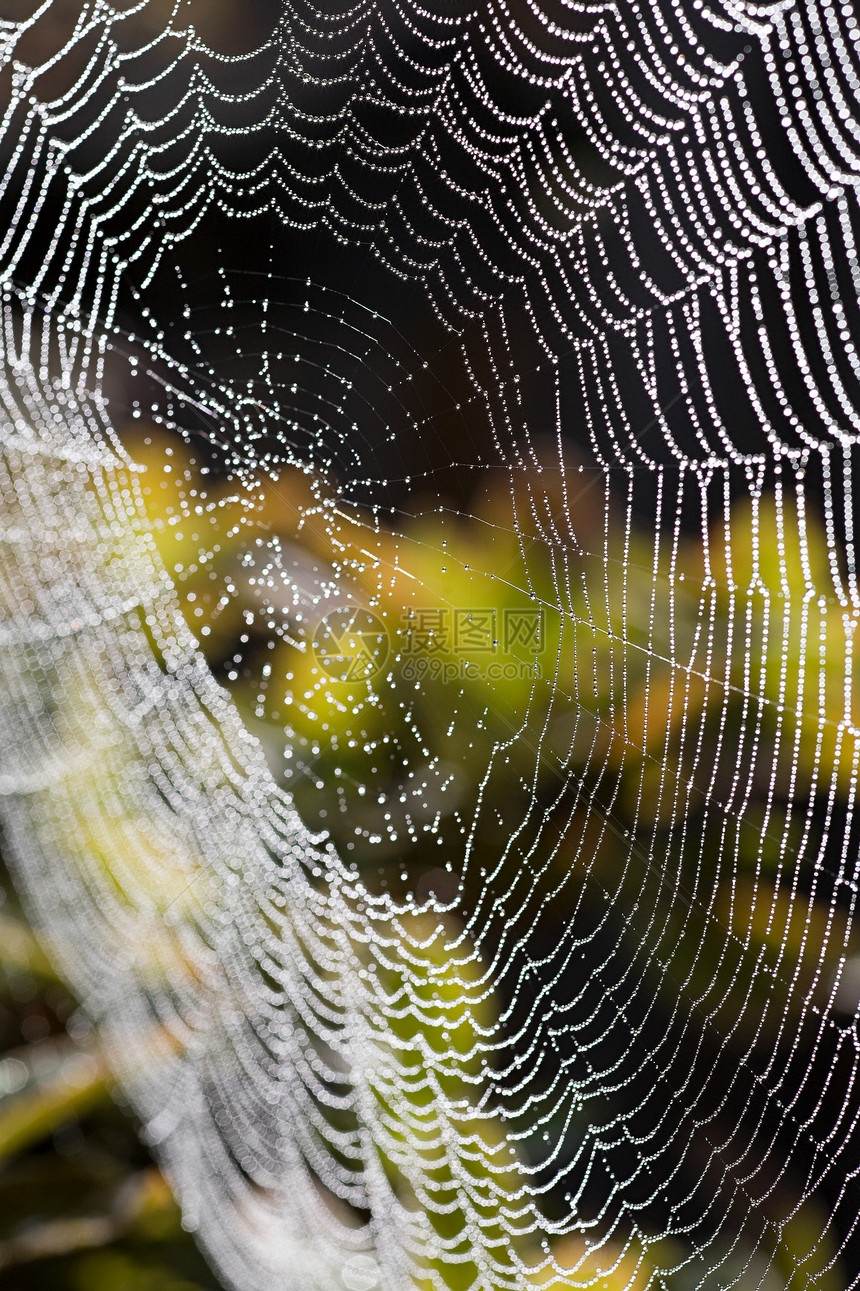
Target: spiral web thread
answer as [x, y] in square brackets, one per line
[610, 1038]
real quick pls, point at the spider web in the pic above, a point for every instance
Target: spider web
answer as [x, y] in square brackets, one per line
[429, 583]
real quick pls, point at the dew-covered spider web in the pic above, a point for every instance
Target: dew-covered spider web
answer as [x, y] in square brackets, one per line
[429, 718]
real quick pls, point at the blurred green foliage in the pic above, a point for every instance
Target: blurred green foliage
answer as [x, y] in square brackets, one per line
[82, 1208]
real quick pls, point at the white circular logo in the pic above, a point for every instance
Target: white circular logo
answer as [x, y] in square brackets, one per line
[351, 644]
